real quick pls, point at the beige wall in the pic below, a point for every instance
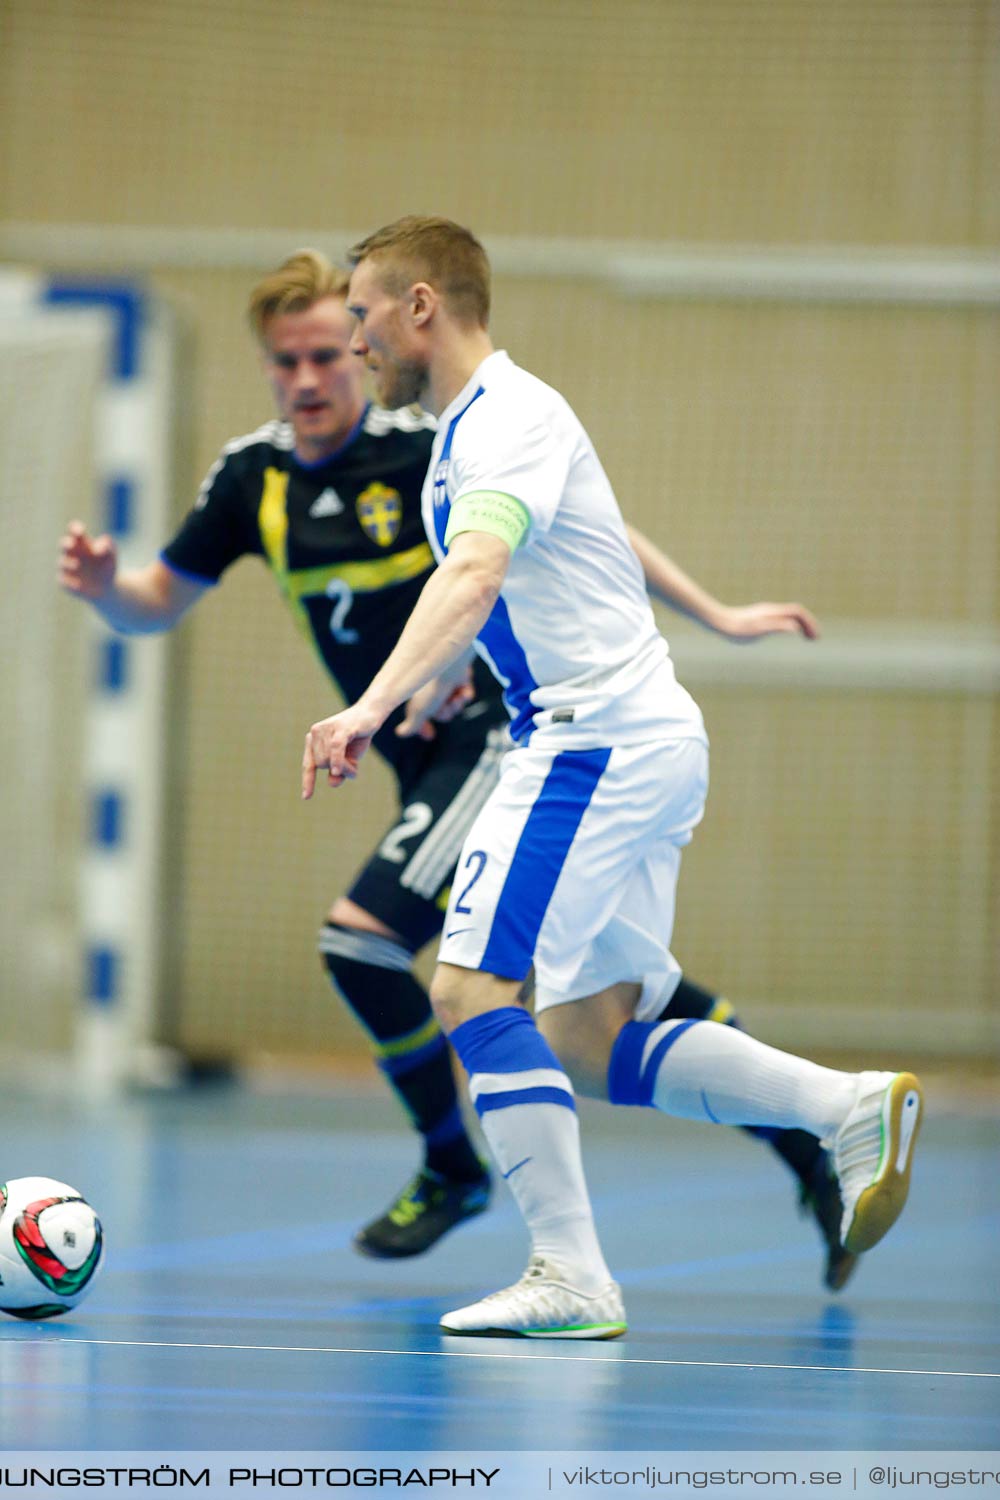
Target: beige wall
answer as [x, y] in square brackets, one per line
[847, 455]
[761, 120]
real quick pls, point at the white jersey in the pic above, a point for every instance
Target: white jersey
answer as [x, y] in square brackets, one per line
[572, 637]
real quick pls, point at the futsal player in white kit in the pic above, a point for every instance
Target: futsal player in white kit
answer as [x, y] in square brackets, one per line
[570, 870]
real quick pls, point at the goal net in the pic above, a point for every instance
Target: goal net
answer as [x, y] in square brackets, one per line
[50, 375]
[84, 417]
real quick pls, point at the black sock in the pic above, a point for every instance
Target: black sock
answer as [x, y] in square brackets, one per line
[801, 1151]
[373, 975]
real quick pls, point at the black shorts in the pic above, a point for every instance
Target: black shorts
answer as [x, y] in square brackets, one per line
[407, 880]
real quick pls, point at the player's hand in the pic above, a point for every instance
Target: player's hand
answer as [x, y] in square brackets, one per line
[336, 746]
[87, 565]
[743, 623]
[441, 700]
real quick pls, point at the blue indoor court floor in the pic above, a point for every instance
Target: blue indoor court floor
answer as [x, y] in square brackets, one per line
[232, 1312]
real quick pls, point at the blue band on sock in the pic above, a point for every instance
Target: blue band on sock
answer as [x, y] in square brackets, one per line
[628, 1081]
[502, 1041]
[508, 1041]
[625, 1062]
[539, 1095]
[647, 1083]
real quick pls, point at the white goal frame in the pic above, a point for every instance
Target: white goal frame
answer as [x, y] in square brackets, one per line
[120, 751]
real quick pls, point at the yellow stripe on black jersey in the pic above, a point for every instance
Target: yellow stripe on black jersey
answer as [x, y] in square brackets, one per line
[343, 538]
[300, 584]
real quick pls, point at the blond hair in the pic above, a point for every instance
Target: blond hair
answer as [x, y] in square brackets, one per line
[303, 279]
[437, 251]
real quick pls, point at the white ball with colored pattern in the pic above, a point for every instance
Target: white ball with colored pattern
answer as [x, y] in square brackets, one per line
[51, 1247]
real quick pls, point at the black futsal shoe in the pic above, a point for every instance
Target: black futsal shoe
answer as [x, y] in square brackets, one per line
[820, 1196]
[425, 1210]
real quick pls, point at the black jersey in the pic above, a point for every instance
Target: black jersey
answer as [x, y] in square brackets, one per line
[344, 539]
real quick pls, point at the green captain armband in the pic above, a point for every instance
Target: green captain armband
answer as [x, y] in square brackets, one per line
[489, 510]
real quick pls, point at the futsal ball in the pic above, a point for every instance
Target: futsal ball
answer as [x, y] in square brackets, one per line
[51, 1243]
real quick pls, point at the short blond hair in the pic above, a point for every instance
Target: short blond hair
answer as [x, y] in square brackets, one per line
[303, 279]
[437, 251]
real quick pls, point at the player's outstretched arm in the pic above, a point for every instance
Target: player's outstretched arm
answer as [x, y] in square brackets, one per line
[738, 622]
[453, 607]
[138, 600]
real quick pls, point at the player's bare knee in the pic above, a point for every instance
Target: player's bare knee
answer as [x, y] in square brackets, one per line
[452, 996]
[582, 1033]
[580, 1050]
[585, 1073]
[459, 994]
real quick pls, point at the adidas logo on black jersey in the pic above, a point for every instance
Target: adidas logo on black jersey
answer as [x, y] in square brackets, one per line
[328, 503]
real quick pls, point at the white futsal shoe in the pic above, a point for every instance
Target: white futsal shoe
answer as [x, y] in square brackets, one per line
[873, 1154]
[542, 1306]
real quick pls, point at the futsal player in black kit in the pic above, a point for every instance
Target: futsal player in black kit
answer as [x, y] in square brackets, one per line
[328, 495]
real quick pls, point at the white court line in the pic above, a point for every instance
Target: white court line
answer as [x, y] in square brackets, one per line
[696, 1364]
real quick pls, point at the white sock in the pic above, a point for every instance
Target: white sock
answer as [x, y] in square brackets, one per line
[700, 1071]
[525, 1104]
[537, 1148]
